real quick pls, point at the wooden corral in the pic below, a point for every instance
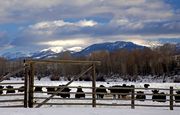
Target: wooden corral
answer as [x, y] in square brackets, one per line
[30, 79]
[28, 69]
[108, 99]
[30, 99]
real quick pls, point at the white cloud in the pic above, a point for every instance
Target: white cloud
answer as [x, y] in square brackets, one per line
[127, 24]
[148, 43]
[85, 23]
[125, 3]
[61, 23]
[172, 25]
[23, 11]
[41, 3]
[54, 49]
[51, 9]
[78, 2]
[49, 24]
[72, 44]
[122, 22]
[75, 49]
[64, 43]
[5, 4]
[141, 37]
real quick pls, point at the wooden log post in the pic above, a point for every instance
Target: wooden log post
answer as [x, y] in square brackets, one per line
[31, 85]
[171, 98]
[26, 81]
[93, 85]
[132, 97]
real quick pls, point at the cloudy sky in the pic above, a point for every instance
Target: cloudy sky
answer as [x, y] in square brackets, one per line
[32, 25]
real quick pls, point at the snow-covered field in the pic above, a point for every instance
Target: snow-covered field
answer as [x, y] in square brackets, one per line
[87, 109]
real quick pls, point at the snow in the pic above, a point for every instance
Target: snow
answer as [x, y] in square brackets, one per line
[86, 111]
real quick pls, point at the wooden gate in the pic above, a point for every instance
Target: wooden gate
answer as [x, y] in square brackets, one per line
[30, 78]
[13, 94]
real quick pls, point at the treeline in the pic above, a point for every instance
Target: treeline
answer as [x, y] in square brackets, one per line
[158, 61]
[143, 62]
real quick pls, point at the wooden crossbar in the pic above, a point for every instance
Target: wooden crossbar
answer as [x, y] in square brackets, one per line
[59, 90]
[64, 61]
[12, 73]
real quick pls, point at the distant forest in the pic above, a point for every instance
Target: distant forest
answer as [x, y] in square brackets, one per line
[155, 61]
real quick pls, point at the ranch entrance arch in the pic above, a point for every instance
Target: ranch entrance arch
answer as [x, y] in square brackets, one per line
[29, 78]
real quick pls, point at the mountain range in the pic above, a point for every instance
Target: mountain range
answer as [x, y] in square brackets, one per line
[108, 46]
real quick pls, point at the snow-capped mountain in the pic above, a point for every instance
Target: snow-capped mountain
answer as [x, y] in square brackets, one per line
[43, 54]
[49, 53]
[109, 46]
[37, 55]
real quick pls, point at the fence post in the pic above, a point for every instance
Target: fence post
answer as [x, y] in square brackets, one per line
[26, 79]
[93, 86]
[132, 97]
[171, 98]
[31, 85]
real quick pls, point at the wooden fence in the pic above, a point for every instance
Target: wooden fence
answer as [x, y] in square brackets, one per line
[108, 99]
[30, 98]
[29, 68]
[16, 99]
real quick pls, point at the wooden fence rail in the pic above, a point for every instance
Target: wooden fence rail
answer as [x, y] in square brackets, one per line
[109, 97]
